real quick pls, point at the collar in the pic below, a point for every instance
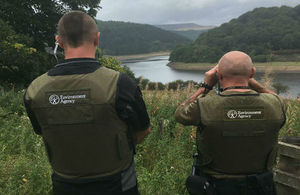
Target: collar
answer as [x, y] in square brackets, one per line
[75, 66]
[239, 93]
[76, 61]
[235, 87]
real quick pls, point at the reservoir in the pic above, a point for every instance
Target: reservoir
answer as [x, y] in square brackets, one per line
[156, 70]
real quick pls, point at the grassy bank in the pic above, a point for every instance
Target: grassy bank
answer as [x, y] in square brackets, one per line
[287, 67]
[141, 56]
[163, 161]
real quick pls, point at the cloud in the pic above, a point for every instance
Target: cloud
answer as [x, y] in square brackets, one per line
[204, 12]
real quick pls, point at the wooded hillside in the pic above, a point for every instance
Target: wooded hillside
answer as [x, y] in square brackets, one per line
[266, 34]
[122, 38]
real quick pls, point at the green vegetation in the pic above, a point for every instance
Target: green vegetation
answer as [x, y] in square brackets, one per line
[124, 38]
[27, 29]
[19, 62]
[163, 161]
[38, 18]
[266, 34]
[280, 88]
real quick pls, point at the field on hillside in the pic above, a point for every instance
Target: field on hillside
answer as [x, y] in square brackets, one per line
[163, 161]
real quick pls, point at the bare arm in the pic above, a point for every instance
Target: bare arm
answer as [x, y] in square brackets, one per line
[256, 86]
[139, 136]
[210, 79]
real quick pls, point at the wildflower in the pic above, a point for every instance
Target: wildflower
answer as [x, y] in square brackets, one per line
[18, 46]
[32, 50]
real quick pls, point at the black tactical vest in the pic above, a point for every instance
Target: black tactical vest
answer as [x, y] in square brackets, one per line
[83, 134]
[239, 131]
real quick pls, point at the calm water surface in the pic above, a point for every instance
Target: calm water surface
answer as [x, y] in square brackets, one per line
[155, 70]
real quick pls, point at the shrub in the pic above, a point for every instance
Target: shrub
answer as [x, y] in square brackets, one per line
[280, 88]
[260, 58]
[19, 62]
[114, 64]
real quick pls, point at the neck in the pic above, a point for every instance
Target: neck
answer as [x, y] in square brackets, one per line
[235, 84]
[80, 52]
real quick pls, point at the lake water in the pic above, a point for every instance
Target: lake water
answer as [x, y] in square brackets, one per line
[155, 70]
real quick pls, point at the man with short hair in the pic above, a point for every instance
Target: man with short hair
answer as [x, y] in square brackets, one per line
[90, 117]
[237, 129]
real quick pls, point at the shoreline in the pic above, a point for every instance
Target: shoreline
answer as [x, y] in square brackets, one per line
[290, 67]
[141, 56]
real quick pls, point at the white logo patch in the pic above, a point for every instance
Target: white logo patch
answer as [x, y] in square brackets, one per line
[232, 114]
[65, 99]
[54, 99]
[245, 114]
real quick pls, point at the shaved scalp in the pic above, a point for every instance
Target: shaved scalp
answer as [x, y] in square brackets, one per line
[235, 63]
[76, 28]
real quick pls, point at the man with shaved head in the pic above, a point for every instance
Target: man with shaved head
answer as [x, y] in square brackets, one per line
[237, 130]
[90, 117]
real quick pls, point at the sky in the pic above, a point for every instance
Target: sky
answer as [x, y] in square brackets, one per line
[202, 12]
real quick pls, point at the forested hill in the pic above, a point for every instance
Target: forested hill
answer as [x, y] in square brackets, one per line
[266, 34]
[188, 30]
[122, 38]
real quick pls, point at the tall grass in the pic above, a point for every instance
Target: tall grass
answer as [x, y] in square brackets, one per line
[24, 168]
[163, 161]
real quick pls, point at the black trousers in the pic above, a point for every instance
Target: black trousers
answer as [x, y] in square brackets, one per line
[257, 184]
[110, 185]
[89, 189]
[261, 184]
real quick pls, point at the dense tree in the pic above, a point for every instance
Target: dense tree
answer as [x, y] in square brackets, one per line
[38, 18]
[260, 33]
[27, 27]
[19, 62]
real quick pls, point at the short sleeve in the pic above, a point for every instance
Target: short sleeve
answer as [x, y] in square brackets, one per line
[130, 105]
[36, 126]
[284, 107]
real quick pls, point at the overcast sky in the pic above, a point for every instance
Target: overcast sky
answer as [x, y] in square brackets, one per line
[203, 12]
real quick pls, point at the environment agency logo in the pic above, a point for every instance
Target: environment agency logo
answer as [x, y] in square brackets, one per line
[54, 99]
[232, 114]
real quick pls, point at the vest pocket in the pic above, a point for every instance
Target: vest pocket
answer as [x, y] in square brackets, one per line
[68, 115]
[242, 133]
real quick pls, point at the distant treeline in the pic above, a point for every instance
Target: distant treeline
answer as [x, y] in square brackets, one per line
[264, 33]
[145, 84]
[124, 38]
[190, 34]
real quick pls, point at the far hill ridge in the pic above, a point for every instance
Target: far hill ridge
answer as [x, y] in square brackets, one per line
[125, 38]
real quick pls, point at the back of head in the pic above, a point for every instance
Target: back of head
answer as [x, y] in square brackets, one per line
[76, 28]
[235, 63]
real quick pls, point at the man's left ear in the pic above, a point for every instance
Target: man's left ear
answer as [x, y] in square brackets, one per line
[96, 41]
[253, 71]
